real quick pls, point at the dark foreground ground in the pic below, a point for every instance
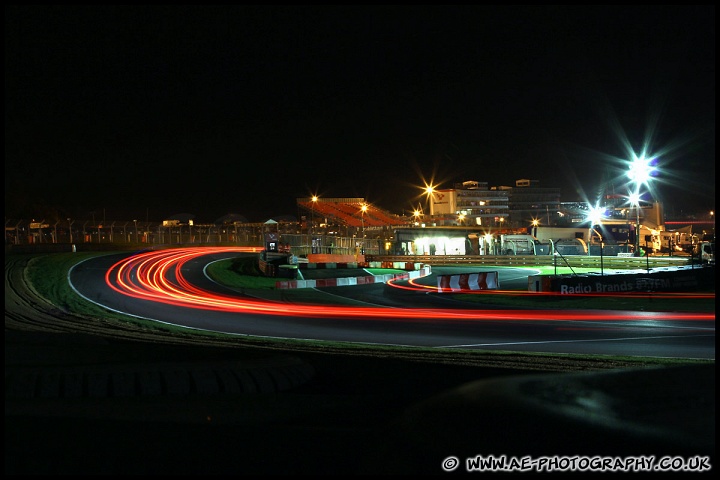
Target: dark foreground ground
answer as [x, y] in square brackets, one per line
[83, 405]
[116, 400]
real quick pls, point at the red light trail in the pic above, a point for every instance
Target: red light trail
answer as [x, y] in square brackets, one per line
[157, 276]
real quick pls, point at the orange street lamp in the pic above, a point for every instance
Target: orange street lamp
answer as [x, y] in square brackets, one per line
[417, 214]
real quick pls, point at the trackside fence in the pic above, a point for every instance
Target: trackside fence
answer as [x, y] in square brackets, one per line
[580, 261]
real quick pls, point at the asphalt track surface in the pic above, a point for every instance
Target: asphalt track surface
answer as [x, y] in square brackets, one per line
[398, 317]
[134, 402]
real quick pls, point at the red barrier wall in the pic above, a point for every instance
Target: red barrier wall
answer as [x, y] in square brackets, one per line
[334, 258]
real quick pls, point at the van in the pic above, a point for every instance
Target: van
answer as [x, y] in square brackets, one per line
[707, 252]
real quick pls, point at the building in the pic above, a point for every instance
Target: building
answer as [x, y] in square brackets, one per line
[468, 203]
[475, 203]
[529, 201]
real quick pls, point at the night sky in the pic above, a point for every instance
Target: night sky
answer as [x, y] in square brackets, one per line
[133, 111]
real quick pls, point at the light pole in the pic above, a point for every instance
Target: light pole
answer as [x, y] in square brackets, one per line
[363, 209]
[602, 244]
[635, 200]
[136, 232]
[312, 213]
[70, 228]
[595, 217]
[429, 191]
[637, 227]
[712, 215]
[535, 224]
[488, 244]
[640, 171]
[313, 200]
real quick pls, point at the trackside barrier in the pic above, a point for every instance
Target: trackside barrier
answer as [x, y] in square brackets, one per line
[317, 266]
[668, 279]
[334, 258]
[349, 281]
[395, 265]
[468, 281]
[581, 261]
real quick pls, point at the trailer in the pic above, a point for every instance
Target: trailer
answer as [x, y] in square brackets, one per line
[572, 246]
[678, 241]
[520, 244]
[609, 238]
[546, 234]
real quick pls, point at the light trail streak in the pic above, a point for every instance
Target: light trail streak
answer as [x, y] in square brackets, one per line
[157, 276]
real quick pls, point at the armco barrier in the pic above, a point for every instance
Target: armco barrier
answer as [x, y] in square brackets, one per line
[349, 281]
[540, 260]
[395, 265]
[468, 281]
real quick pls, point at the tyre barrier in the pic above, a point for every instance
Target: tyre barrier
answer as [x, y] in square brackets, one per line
[468, 281]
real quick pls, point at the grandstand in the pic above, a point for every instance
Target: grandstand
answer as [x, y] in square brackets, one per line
[348, 212]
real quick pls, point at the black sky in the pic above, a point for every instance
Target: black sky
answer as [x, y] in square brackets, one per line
[158, 110]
